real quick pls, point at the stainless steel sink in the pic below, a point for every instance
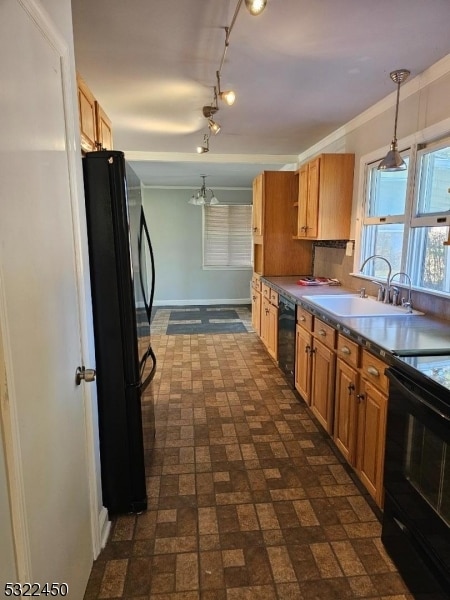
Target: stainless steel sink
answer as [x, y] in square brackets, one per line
[351, 305]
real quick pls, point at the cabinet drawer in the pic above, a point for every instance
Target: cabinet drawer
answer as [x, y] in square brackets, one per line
[265, 291]
[274, 297]
[256, 283]
[325, 333]
[348, 350]
[372, 369]
[304, 318]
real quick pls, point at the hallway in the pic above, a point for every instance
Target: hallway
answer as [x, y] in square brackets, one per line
[247, 499]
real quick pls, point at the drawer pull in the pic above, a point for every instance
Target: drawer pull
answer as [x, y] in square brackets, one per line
[322, 332]
[360, 397]
[373, 371]
[302, 318]
[345, 350]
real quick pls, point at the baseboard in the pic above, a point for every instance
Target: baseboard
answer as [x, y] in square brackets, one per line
[202, 302]
[104, 526]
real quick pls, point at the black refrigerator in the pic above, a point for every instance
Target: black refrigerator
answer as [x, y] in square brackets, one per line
[122, 276]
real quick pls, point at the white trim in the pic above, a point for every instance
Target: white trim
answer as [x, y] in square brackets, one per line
[213, 158]
[202, 301]
[13, 452]
[104, 526]
[424, 79]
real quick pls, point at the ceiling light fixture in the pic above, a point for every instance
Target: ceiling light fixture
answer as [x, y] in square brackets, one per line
[203, 196]
[228, 96]
[205, 147]
[213, 126]
[255, 7]
[393, 160]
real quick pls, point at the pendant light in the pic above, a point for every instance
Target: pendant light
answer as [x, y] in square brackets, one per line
[255, 7]
[393, 161]
[205, 147]
[203, 196]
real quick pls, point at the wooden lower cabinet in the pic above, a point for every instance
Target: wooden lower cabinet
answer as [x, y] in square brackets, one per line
[269, 327]
[303, 348]
[372, 410]
[322, 384]
[345, 411]
[256, 311]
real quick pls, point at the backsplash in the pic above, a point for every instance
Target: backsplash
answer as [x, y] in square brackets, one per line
[330, 261]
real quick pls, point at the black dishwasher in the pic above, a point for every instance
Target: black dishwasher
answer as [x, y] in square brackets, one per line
[286, 337]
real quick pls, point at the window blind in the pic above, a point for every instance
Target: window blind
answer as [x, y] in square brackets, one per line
[227, 236]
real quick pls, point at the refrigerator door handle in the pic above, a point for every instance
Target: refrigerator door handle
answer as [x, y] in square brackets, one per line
[143, 231]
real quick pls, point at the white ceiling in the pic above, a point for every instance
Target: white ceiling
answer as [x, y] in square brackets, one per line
[300, 71]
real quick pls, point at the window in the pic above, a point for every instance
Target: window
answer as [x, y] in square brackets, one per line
[227, 236]
[407, 218]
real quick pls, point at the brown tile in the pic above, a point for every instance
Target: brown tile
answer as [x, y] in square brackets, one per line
[261, 592]
[258, 565]
[113, 581]
[211, 570]
[138, 578]
[280, 561]
[186, 572]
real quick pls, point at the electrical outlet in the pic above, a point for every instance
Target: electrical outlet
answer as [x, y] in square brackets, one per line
[349, 249]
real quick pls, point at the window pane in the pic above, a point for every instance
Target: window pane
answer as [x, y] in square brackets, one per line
[227, 236]
[387, 192]
[429, 258]
[387, 241]
[434, 183]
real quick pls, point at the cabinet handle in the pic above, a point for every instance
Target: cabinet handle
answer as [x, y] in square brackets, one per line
[345, 350]
[360, 397]
[312, 351]
[350, 388]
[302, 318]
[373, 371]
[322, 332]
[255, 229]
[308, 349]
[254, 297]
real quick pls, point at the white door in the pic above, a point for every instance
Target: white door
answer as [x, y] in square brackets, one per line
[39, 307]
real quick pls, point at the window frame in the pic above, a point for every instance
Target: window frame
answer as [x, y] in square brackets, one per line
[417, 146]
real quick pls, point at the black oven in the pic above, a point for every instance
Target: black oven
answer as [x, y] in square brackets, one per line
[416, 520]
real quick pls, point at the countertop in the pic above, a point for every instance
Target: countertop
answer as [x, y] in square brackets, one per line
[402, 335]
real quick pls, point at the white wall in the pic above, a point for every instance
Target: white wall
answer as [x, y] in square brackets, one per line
[176, 231]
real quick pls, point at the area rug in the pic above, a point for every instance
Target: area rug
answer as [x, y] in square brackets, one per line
[210, 319]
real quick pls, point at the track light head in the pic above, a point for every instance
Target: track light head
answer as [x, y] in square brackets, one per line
[205, 147]
[213, 126]
[209, 111]
[228, 96]
[255, 7]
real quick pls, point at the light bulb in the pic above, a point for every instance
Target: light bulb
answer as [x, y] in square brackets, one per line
[255, 7]
[228, 97]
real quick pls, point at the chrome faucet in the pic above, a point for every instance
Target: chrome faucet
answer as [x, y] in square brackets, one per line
[385, 294]
[405, 303]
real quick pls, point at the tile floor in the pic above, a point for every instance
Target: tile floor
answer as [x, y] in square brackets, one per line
[247, 499]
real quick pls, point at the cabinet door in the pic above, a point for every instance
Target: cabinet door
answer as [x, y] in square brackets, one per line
[86, 113]
[272, 341]
[257, 214]
[302, 220]
[256, 311]
[312, 206]
[265, 307]
[303, 347]
[345, 415]
[372, 408]
[322, 388]
[104, 129]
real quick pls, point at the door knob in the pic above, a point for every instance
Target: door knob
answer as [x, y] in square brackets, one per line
[83, 374]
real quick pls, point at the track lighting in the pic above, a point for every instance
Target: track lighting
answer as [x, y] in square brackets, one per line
[255, 7]
[205, 147]
[213, 126]
[201, 196]
[228, 96]
[393, 160]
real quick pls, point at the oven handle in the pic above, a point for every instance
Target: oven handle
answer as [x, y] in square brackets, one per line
[415, 397]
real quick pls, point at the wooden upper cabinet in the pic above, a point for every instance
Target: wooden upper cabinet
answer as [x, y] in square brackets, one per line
[95, 126]
[325, 192]
[104, 129]
[86, 111]
[257, 215]
[275, 251]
